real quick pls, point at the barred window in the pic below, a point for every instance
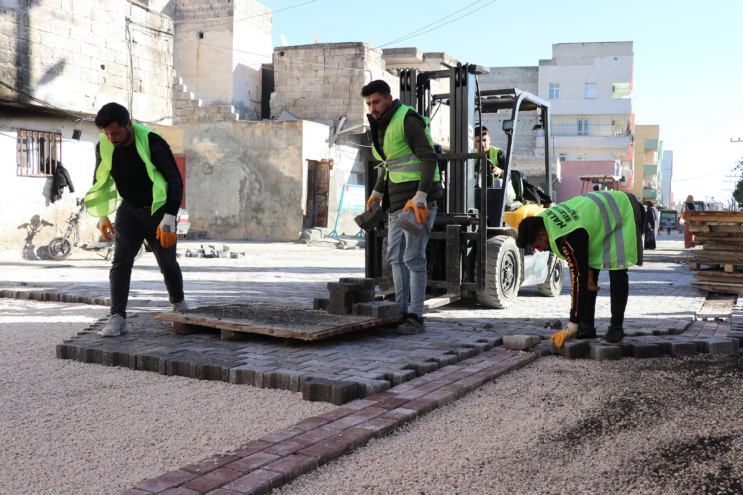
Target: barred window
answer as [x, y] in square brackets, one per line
[38, 152]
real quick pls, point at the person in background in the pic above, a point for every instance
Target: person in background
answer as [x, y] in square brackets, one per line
[688, 237]
[669, 225]
[652, 224]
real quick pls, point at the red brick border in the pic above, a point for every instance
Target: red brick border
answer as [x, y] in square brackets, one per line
[280, 457]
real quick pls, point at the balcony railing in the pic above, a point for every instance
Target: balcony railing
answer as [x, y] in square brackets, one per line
[581, 129]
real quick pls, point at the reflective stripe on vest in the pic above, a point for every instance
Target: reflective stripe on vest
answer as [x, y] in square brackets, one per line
[101, 199]
[608, 218]
[401, 164]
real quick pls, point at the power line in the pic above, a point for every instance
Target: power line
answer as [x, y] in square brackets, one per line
[433, 23]
[42, 102]
[407, 37]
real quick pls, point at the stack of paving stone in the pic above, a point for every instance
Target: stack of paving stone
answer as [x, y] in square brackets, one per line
[719, 264]
[211, 251]
[356, 296]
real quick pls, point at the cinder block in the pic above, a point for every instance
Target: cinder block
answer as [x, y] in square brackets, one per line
[365, 284]
[520, 342]
[626, 348]
[371, 218]
[377, 309]
[334, 391]
[601, 352]
[720, 346]
[409, 223]
[365, 296]
[571, 348]
[321, 303]
[642, 350]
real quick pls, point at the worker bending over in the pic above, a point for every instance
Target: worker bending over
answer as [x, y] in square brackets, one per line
[136, 165]
[402, 142]
[595, 231]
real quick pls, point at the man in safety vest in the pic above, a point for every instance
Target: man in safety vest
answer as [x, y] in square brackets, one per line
[595, 231]
[135, 165]
[497, 156]
[410, 177]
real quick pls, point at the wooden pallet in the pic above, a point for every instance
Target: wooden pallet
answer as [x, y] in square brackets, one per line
[721, 287]
[233, 329]
[720, 276]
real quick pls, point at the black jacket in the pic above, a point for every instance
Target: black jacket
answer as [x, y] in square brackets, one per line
[60, 180]
[415, 135]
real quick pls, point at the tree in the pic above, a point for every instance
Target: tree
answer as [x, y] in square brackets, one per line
[738, 193]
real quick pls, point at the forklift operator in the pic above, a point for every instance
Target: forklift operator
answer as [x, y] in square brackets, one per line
[598, 230]
[402, 142]
[498, 158]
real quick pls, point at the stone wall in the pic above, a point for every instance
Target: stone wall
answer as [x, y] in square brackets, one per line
[219, 49]
[322, 82]
[75, 55]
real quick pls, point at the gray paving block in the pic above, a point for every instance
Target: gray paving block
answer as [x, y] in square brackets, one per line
[446, 359]
[365, 284]
[377, 309]
[424, 367]
[367, 387]
[364, 296]
[571, 348]
[334, 391]
[337, 288]
[409, 223]
[681, 348]
[369, 219]
[642, 350]
[320, 303]
[396, 377]
[283, 379]
[601, 352]
[626, 348]
[720, 346]
[520, 342]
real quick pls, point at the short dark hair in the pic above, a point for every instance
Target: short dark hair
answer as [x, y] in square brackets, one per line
[110, 113]
[481, 131]
[529, 229]
[377, 86]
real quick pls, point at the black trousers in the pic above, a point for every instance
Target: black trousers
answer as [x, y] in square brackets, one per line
[618, 294]
[133, 225]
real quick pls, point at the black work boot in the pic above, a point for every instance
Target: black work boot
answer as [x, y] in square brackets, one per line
[614, 336]
[585, 332]
[412, 325]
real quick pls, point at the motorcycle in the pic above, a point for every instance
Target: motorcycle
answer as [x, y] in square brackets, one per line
[61, 248]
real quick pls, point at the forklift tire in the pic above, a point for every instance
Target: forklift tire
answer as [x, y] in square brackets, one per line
[503, 273]
[553, 285]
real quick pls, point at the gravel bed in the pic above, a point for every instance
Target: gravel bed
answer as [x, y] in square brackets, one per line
[67, 427]
[656, 426]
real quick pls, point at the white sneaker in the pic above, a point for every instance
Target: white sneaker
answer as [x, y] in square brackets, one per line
[180, 306]
[116, 326]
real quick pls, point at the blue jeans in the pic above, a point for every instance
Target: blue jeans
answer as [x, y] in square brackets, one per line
[407, 256]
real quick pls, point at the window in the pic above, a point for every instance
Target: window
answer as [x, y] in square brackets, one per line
[38, 152]
[554, 91]
[583, 127]
[563, 157]
[590, 91]
[584, 157]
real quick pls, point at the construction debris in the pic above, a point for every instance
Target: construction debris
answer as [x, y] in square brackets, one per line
[719, 264]
[211, 251]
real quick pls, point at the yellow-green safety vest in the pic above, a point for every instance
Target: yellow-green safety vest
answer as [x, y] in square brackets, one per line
[401, 164]
[101, 199]
[608, 218]
[493, 157]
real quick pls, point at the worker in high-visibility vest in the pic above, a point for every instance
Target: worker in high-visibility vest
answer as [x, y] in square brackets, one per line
[135, 165]
[596, 231]
[497, 157]
[401, 140]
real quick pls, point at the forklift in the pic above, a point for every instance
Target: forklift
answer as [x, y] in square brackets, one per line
[472, 250]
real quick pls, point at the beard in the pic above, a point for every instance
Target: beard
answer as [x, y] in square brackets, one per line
[126, 139]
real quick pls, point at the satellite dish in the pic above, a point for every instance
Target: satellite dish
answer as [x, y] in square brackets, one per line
[283, 41]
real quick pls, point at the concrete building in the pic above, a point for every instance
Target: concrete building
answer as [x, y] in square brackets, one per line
[59, 63]
[648, 161]
[588, 85]
[666, 190]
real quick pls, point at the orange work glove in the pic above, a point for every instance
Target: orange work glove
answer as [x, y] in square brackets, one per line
[418, 203]
[107, 230]
[166, 231]
[562, 335]
[373, 199]
[591, 286]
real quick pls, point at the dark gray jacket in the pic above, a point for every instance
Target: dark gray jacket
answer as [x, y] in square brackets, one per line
[415, 135]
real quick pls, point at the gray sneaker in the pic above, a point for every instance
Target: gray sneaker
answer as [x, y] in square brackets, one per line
[116, 326]
[412, 325]
[180, 306]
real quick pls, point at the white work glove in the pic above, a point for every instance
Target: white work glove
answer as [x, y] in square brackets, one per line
[107, 230]
[166, 231]
[419, 199]
[376, 197]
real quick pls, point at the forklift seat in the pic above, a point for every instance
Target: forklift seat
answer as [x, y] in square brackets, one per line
[517, 181]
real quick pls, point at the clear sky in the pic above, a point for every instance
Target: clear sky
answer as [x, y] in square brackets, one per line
[688, 57]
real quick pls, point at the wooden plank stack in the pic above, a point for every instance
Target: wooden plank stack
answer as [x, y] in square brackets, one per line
[719, 264]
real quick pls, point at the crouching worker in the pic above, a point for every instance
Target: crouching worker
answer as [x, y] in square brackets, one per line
[136, 165]
[595, 231]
